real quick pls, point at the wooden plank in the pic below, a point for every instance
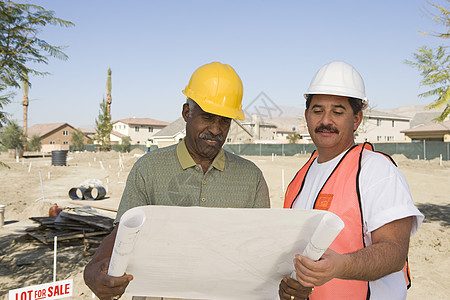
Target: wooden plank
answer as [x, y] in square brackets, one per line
[38, 237]
[47, 236]
[94, 206]
[43, 220]
[69, 236]
[94, 220]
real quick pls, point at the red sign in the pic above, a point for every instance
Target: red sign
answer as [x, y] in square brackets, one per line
[47, 291]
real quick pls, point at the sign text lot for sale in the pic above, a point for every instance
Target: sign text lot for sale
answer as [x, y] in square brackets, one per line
[54, 290]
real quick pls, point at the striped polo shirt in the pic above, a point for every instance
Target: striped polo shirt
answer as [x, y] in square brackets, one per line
[169, 176]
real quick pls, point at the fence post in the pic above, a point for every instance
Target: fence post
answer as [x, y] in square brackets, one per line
[424, 150]
[448, 151]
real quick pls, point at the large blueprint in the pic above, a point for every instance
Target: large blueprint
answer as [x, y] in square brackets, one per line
[216, 253]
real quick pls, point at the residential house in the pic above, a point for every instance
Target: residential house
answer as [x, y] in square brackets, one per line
[433, 131]
[282, 136]
[55, 136]
[116, 137]
[286, 125]
[424, 118]
[378, 126]
[90, 133]
[176, 130]
[261, 130]
[171, 134]
[138, 129]
[238, 134]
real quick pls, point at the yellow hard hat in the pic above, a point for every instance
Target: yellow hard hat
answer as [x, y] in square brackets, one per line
[217, 89]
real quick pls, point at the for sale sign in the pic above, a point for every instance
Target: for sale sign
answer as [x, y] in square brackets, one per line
[54, 290]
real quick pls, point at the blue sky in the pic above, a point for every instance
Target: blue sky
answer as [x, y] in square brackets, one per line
[276, 47]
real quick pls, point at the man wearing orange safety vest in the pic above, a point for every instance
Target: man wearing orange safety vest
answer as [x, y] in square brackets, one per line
[364, 188]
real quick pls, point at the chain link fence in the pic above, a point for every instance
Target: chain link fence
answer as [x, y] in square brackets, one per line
[417, 150]
[426, 150]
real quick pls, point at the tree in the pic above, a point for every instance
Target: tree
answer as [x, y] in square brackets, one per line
[20, 25]
[4, 100]
[12, 137]
[434, 65]
[293, 137]
[108, 93]
[77, 139]
[34, 144]
[103, 127]
[125, 146]
[25, 102]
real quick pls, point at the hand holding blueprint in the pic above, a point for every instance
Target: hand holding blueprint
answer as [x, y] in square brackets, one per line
[216, 253]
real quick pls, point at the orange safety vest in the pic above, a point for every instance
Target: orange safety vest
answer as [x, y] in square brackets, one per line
[341, 195]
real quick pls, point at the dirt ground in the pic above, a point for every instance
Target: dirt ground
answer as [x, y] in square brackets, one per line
[25, 261]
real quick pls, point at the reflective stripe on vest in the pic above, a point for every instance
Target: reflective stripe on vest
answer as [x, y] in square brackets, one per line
[340, 195]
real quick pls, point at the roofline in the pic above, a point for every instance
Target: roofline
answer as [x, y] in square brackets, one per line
[55, 129]
[147, 124]
[388, 117]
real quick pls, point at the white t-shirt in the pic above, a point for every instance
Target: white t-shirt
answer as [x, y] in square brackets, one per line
[385, 197]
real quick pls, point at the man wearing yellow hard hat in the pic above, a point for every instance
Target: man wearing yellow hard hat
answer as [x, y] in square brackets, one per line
[195, 172]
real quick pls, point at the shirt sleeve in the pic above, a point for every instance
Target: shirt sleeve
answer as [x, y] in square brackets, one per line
[385, 193]
[136, 192]
[262, 193]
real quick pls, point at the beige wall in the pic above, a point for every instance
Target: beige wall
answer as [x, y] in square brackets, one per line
[372, 130]
[137, 137]
[237, 134]
[57, 140]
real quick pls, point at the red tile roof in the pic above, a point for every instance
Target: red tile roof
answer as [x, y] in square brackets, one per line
[43, 129]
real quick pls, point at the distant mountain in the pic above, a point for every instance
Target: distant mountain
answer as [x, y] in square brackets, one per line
[271, 111]
[410, 110]
[419, 114]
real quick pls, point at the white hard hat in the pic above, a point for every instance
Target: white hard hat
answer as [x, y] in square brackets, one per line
[340, 79]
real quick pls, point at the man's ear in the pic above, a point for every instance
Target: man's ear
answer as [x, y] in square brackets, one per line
[357, 120]
[185, 111]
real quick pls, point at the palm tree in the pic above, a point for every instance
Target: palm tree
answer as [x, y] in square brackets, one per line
[293, 137]
[25, 103]
[108, 94]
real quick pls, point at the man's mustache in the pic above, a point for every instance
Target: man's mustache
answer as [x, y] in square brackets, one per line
[326, 128]
[212, 137]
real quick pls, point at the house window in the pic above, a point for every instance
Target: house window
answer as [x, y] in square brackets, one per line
[65, 132]
[52, 142]
[379, 138]
[136, 129]
[378, 122]
[228, 140]
[150, 129]
[66, 143]
[393, 123]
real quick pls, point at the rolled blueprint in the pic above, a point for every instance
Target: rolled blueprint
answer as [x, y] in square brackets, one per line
[325, 233]
[129, 226]
[323, 236]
